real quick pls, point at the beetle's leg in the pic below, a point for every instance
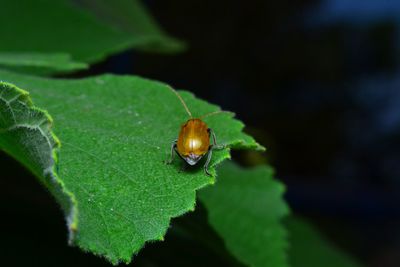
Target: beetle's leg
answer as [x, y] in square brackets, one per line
[215, 145]
[210, 149]
[173, 147]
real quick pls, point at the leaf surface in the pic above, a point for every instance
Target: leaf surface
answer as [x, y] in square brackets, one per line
[131, 16]
[46, 26]
[39, 62]
[245, 208]
[115, 132]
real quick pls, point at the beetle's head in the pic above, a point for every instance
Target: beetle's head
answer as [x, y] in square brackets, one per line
[192, 158]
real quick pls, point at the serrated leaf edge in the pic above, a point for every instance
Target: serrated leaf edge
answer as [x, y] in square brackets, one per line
[50, 171]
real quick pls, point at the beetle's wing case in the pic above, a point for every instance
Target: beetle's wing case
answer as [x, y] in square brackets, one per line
[194, 139]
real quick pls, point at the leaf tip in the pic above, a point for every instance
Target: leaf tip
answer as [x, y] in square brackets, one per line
[211, 181]
[260, 148]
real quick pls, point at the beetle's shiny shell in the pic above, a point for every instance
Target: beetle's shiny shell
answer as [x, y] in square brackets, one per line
[194, 139]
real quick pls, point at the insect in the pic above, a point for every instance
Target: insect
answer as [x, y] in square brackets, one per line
[193, 141]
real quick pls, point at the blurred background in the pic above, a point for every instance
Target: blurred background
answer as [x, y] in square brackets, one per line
[316, 81]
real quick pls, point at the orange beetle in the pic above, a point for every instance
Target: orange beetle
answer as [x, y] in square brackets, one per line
[194, 139]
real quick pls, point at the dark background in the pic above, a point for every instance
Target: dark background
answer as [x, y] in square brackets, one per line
[316, 82]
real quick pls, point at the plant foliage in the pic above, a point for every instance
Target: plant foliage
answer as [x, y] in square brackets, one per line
[115, 132]
[245, 208]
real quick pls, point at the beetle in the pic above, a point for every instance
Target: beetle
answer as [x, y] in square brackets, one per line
[193, 141]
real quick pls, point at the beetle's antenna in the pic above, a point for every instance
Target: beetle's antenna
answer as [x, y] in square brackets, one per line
[215, 113]
[181, 99]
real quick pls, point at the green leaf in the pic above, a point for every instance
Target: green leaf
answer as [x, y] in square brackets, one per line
[309, 249]
[245, 209]
[39, 62]
[115, 132]
[46, 26]
[120, 14]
